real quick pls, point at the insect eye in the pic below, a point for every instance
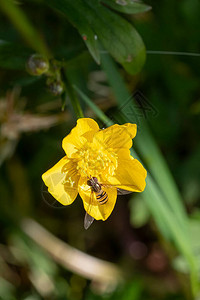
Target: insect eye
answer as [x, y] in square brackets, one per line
[88, 182]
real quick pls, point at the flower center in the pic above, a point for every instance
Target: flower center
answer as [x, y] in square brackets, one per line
[95, 161]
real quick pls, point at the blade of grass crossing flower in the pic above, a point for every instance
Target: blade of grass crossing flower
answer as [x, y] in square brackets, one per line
[149, 160]
[145, 142]
[164, 216]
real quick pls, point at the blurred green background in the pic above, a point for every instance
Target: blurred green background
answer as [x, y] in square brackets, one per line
[149, 248]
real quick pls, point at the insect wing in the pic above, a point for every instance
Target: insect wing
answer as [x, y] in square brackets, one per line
[119, 191]
[122, 192]
[88, 220]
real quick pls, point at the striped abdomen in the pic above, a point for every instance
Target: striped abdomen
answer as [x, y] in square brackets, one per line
[102, 197]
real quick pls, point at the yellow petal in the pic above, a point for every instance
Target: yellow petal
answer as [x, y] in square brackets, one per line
[131, 129]
[116, 136]
[92, 206]
[62, 181]
[83, 132]
[130, 175]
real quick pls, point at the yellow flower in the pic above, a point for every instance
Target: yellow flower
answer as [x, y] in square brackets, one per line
[95, 153]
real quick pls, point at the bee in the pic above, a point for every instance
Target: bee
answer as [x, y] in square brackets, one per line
[101, 197]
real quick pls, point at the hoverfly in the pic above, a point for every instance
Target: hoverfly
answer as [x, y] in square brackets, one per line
[101, 197]
[97, 192]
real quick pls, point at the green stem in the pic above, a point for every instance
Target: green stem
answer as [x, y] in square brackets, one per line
[72, 96]
[21, 22]
[93, 106]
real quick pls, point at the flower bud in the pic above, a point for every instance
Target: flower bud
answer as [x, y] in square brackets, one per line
[56, 87]
[37, 65]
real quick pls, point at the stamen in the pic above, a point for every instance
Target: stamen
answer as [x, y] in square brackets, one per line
[92, 161]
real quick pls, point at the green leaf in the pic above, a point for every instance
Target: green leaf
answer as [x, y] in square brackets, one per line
[13, 56]
[118, 36]
[97, 23]
[127, 6]
[76, 14]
